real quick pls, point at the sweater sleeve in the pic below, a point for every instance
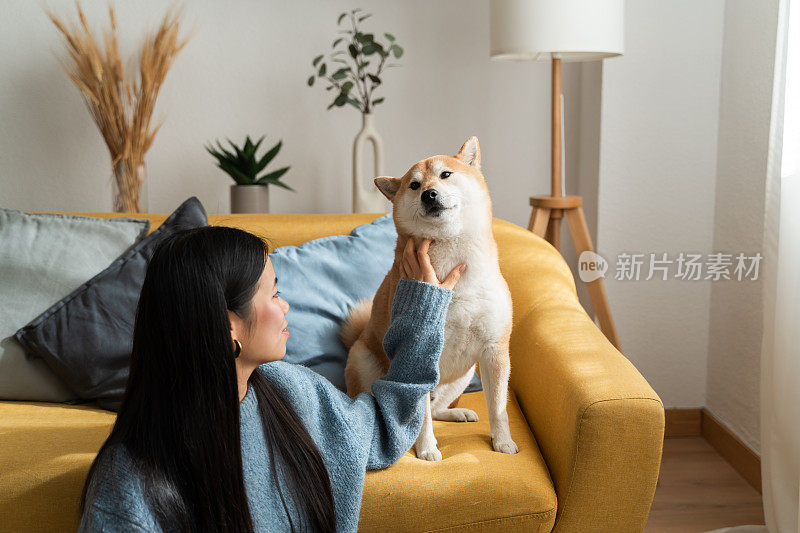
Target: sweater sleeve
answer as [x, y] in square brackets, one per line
[413, 343]
[382, 426]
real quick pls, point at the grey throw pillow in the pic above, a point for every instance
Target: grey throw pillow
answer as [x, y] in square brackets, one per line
[43, 258]
[86, 338]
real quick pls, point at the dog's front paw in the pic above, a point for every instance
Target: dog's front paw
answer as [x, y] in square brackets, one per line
[504, 445]
[457, 414]
[430, 454]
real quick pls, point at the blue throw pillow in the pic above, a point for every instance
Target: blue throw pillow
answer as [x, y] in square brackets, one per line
[321, 280]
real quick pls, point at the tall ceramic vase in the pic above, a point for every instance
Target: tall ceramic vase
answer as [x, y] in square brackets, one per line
[366, 196]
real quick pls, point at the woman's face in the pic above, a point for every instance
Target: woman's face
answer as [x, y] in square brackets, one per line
[267, 339]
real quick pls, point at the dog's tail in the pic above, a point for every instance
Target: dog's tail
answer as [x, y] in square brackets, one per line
[356, 321]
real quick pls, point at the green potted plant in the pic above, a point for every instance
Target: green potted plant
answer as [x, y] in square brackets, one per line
[353, 71]
[251, 192]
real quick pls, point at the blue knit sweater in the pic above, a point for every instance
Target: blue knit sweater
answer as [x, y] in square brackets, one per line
[353, 435]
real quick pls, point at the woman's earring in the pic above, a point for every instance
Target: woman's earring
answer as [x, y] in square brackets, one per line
[238, 349]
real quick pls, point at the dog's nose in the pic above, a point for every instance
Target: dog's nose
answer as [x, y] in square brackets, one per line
[429, 197]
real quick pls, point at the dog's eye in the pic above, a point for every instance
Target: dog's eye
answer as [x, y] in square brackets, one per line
[414, 185]
[445, 174]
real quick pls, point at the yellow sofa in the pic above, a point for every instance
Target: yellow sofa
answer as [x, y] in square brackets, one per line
[588, 425]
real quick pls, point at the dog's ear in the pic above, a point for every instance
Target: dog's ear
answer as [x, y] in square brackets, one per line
[470, 153]
[388, 186]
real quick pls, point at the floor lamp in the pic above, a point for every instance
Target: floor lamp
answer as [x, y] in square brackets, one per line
[556, 31]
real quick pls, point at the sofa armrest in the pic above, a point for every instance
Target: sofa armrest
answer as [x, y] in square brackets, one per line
[599, 424]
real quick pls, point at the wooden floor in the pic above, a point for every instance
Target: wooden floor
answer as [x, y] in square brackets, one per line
[699, 491]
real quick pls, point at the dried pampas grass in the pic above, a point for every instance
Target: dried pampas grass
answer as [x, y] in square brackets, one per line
[120, 102]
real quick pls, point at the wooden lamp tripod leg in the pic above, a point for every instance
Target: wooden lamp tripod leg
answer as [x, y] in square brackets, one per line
[542, 223]
[583, 242]
[540, 218]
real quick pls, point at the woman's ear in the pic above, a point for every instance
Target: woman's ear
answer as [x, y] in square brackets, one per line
[236, 325]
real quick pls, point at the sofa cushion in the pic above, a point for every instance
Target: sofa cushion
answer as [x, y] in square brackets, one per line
[472, 488]
[322, 280]
[48, 448]
[86, 338]
[44, 257]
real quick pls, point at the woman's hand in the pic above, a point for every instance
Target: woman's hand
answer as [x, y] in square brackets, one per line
[416, 264]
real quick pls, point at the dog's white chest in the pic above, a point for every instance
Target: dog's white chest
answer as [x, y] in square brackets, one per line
[478, 316]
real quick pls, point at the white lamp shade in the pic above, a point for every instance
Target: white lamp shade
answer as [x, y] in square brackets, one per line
[574, 30]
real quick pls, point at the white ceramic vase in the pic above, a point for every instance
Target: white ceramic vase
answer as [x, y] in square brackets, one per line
[366, 196]
[249, 198]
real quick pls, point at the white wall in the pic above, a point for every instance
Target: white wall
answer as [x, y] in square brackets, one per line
[683, 154]
[244, 72]
[657, 170]
[734, 346]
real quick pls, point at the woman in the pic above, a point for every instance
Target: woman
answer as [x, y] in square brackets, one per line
[215, 433]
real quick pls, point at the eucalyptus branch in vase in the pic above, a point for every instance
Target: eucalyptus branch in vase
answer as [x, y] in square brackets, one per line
[358, 60]
[354, 70]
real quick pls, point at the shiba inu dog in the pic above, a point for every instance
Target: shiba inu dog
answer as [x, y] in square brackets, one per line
[444, 198]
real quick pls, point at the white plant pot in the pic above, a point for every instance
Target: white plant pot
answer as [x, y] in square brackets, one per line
[366, 196]
[249, 198]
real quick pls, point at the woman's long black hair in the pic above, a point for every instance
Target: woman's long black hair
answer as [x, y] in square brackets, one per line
[179, 419]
